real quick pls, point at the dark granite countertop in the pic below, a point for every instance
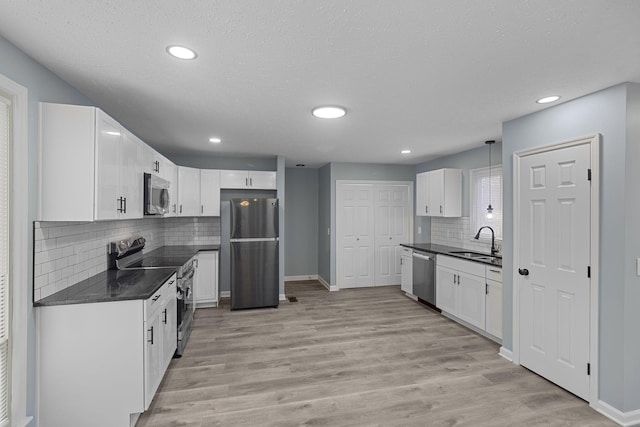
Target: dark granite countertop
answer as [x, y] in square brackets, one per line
[448, 250]
[114, 285]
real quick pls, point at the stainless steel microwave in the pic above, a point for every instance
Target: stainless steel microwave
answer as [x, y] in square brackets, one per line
[156, 195]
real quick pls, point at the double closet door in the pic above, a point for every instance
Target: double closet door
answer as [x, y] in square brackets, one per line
[372, 219]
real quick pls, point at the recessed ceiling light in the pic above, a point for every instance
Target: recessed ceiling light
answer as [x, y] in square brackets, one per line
[548, 99]
[181, 52]
[405, 152]
[329, 112]
[215, 140]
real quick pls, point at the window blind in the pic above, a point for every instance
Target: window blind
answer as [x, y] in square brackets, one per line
[486, 189]
[5, 136]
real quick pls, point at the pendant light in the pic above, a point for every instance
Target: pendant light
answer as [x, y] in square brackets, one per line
[490, 208]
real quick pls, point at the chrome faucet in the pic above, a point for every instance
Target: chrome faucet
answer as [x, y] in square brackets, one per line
[494, 251]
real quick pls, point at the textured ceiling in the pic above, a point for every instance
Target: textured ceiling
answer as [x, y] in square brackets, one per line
[435, 76]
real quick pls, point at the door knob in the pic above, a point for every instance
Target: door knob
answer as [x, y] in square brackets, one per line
[523, 271]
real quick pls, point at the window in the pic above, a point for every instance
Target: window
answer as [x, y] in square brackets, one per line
[486, 189]
[5, 128]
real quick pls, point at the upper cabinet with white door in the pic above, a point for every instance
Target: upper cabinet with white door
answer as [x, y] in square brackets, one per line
[241, 179]
[198, 192]
[210, 192]
[439, 193]
[189, 191]
[157, 164]
[90, 166]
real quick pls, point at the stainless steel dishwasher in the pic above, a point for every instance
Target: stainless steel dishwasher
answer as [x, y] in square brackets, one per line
[424, 277]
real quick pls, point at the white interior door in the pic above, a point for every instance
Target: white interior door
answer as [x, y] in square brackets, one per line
[554, 254]
[355, 213]
[392, 212]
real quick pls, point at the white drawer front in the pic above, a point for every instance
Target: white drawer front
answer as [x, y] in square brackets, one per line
[494, 273]
[469, 267]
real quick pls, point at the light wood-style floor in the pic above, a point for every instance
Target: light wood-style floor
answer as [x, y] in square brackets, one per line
[360, 357]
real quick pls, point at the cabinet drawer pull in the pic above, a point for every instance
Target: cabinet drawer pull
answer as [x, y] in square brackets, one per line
[150, 340]
[165, 317]
[494, 271]
[157, 297]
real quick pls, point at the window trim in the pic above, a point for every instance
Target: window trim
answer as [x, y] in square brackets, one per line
[483, 238]
[19, 249]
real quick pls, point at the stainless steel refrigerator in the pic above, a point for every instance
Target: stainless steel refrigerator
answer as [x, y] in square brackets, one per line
[254, 253]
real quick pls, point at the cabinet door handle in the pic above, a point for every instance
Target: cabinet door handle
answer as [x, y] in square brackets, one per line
[201, 209]
[440, 208]
[157, 297]
[180, 208]
[165, 317]
[250, 182]
[150, 340]
[486, 289]
[494, 271]
[174, 208]
[246, 182]
[426, 209]
[125, 204]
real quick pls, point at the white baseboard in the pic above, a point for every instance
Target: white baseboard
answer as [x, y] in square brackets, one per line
[507, 354]
[625, 419]
[300, 278]
[327, 285]
[283, 297]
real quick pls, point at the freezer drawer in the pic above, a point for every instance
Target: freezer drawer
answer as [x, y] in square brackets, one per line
[254, 274]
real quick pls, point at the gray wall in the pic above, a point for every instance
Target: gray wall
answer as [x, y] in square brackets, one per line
[42, 86]
[301, 253]
[211, 161]
[604, 112]
[466, 160]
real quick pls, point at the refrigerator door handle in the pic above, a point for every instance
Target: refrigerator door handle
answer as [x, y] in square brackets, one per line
[257, 239]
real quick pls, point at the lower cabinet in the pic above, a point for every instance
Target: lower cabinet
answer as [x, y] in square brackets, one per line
[464, 291]
[99, 363]
[161, 336]
[406, 271]
[206, 281]
[461, 294]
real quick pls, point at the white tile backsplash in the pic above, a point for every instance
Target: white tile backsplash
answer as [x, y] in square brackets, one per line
[66, 253]
[457, 232]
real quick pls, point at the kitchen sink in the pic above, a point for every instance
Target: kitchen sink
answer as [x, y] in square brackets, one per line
[475, 255]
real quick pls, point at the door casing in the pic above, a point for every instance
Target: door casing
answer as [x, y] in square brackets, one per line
[594, 142]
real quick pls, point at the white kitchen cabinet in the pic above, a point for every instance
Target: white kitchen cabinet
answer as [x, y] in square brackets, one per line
[188, 191]
[94, 353]
[206, 282]
[406, 271]
[90, 166]
[494, 301]
[460, 289]
[160, 336]
[439, 193]
[422, 194]
[210, 192]
[172, 172]
[241, 179]
[157, 164]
